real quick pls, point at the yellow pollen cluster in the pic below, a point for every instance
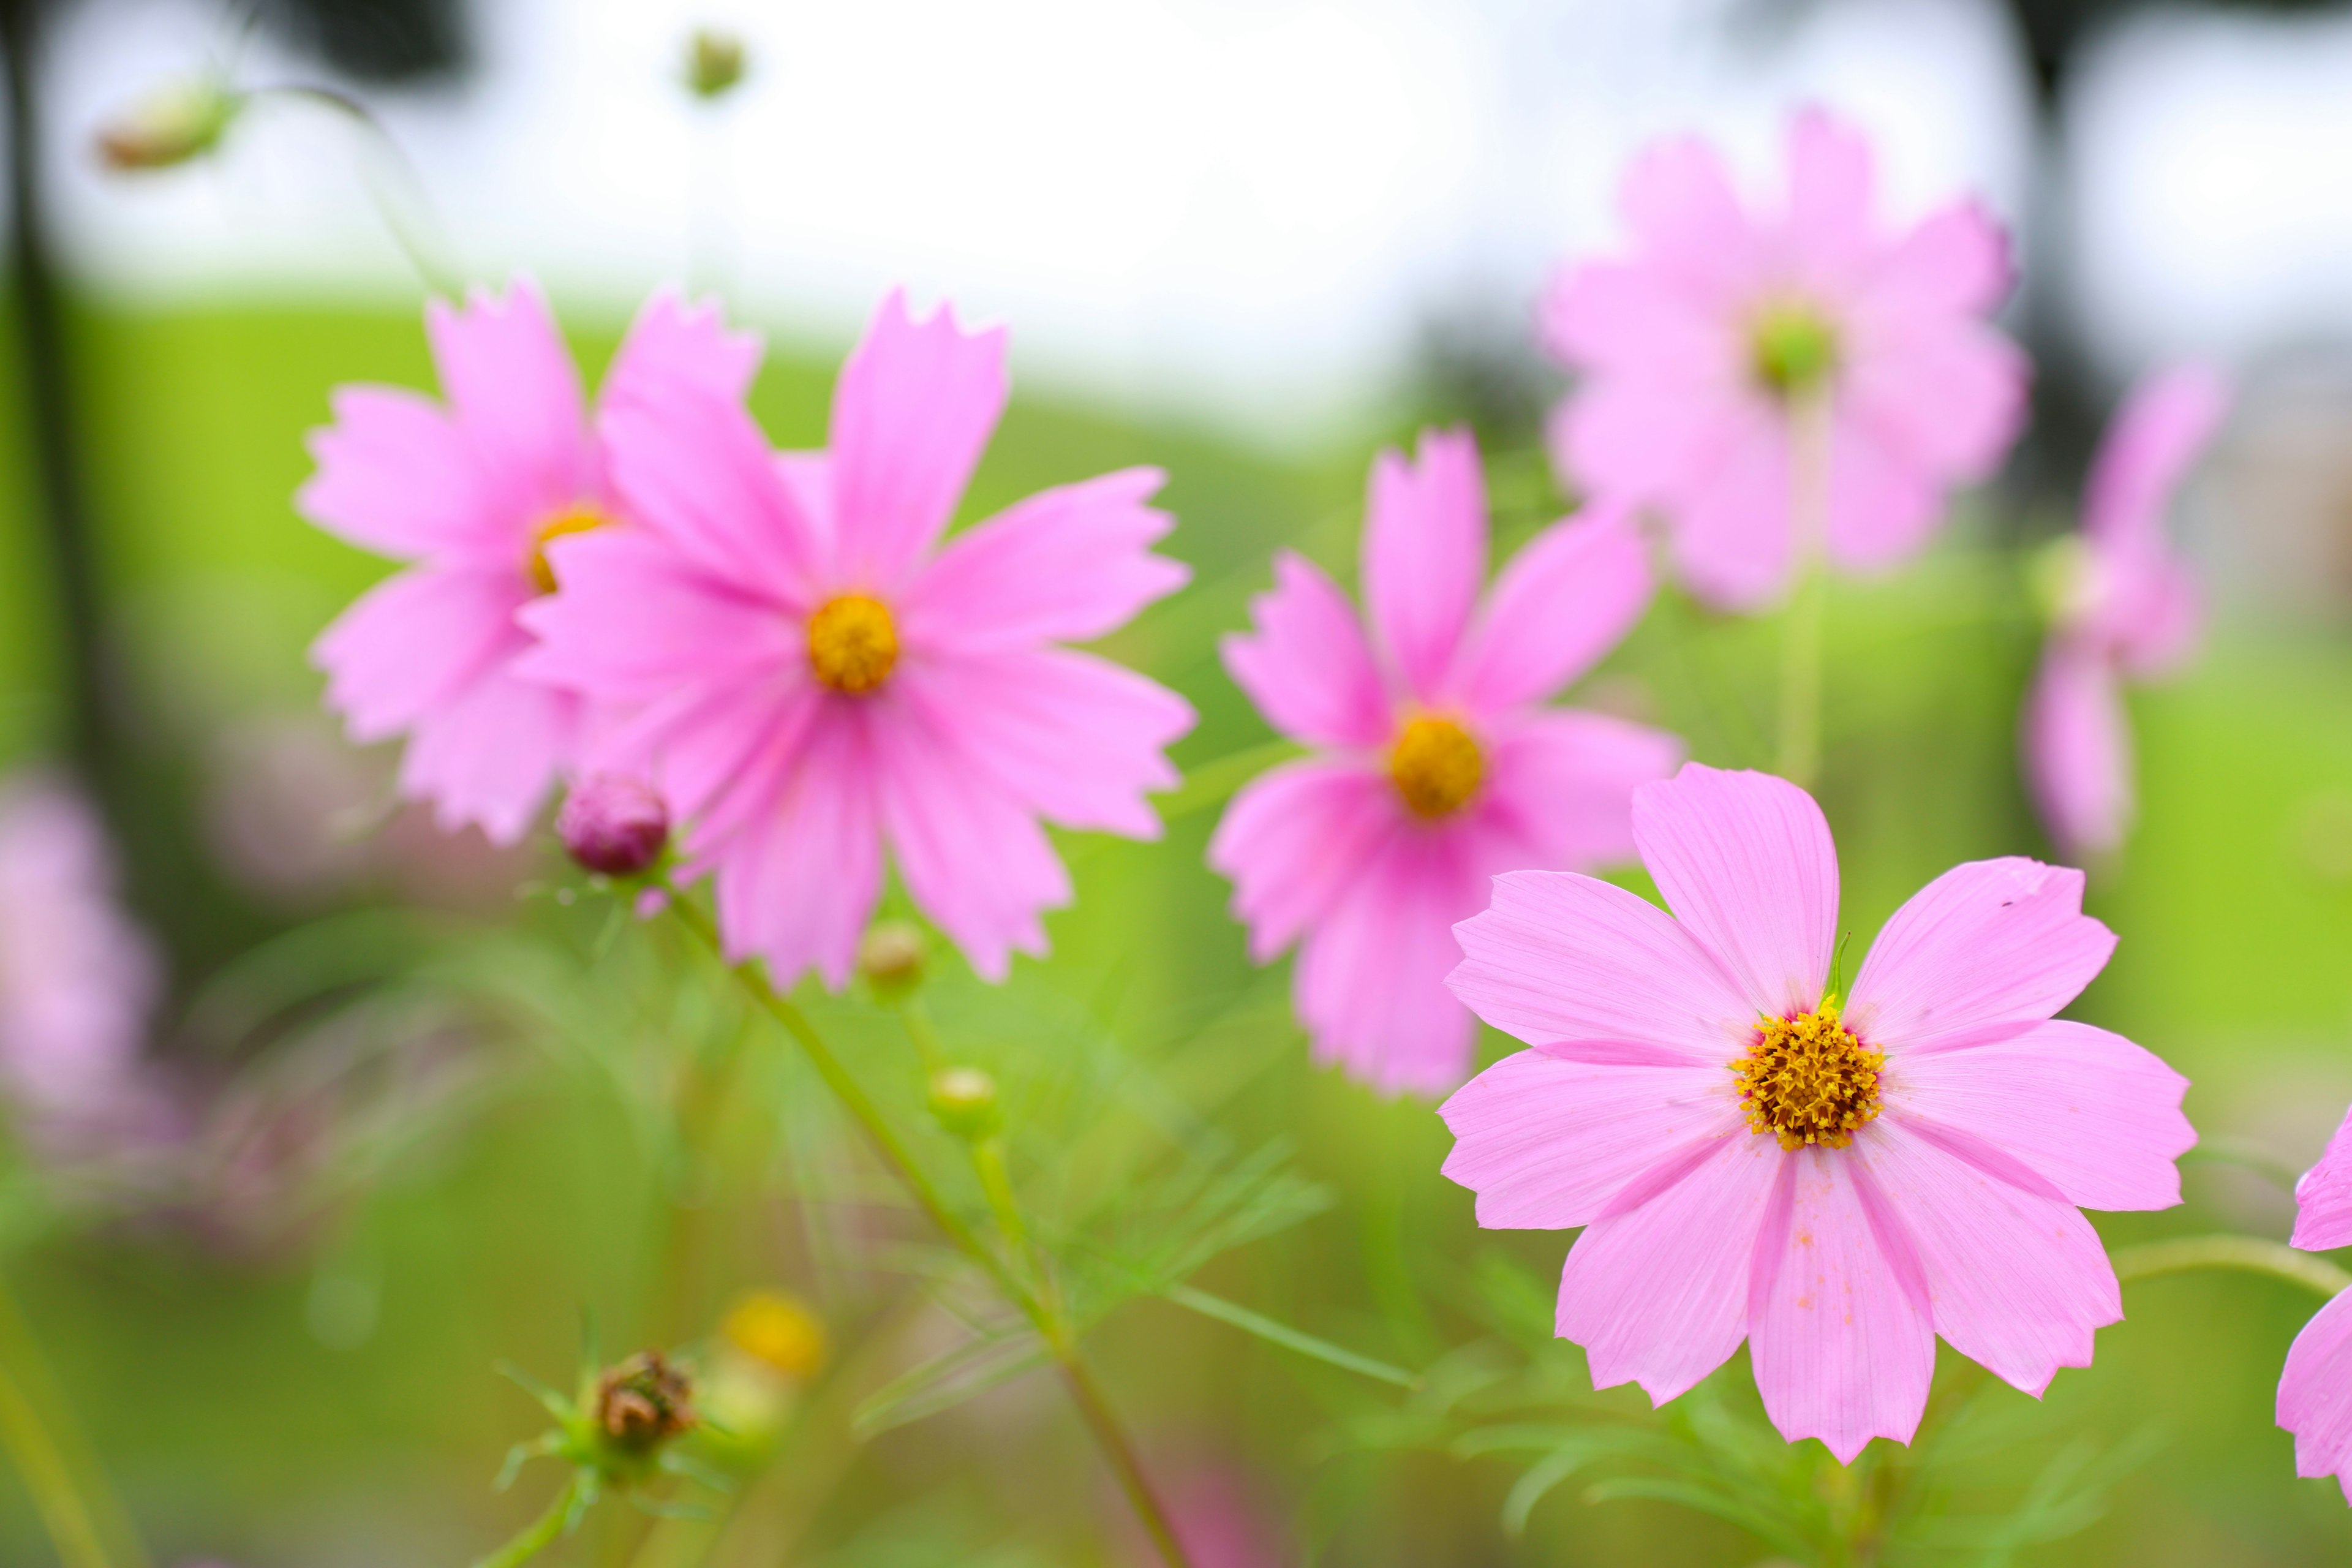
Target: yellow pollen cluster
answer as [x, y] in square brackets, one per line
[852, 643]
[1808, 1080]
[579, 519]
[1436, 766]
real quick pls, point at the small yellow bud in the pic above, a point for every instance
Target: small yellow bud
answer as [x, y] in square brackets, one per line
[964, 1100]
[891, 956]
[778, 1331]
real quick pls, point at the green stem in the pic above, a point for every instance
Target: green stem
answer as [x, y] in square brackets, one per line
[1799, 756]
[2250, 1254]
[538, 1535]
[916, 1018]
[71, 1507]
[1059, 1337]
[424, 253]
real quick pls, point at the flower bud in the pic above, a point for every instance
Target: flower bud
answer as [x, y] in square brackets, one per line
[614, 824]
[644, 1402]
[891, 956]
[779, 1331]
[964, 1100]
[172, 126]
[714, 63]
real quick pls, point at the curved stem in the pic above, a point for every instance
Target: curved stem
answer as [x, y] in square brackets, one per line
[424, 252]
[2250, 1254]
[1053, 1328]
[539, 1534]
[79, 1514]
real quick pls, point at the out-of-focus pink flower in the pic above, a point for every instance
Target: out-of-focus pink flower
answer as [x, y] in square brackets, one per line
[1435, 766]
[808, 674]
[2127, 608]
[1835, 1180]
[472, 490]
[78, 978]
[2314, 1393]
[1696, 350]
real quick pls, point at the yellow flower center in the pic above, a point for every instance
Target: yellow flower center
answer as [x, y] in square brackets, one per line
[853, 644]
[1794, 350]
[1436, 766]
[577, 519]
[775, 1329]
[1808, 1080]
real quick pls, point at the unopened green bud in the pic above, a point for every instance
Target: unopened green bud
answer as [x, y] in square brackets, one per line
[891, 957]
[172, 126]
[964, 1100]
[2058, 578]
[714, 63]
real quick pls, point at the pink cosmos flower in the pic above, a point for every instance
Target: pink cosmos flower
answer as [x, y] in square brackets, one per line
[1833, 1179]
[1696, 353]
[2127, 608]
[807, 673]
[1435, 767]
[472, 490]
[2315, 1394]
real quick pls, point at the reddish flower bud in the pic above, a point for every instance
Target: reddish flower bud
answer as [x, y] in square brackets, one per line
[644, 1402]
[614, 824]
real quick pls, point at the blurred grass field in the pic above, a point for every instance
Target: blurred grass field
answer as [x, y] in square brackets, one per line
[244, 1420]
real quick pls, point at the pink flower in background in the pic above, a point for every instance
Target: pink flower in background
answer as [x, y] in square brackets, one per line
[2314, 1393]
[1694, 352]
[810, 675]
[2127, 608]
[1435, 766]
[78, 977]
[472, 490]
[1835, 1180]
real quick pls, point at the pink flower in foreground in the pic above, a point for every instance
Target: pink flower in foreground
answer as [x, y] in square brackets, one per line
[472, 490]
[809, 675]
[2315, 1394]
[2127, 607]
[1435, 766]
[1696, 353]
[1835, 1180]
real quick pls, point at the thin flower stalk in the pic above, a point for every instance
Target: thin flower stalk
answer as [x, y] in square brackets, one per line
[2246, 1254]
[540, 1533]
[77, 1510]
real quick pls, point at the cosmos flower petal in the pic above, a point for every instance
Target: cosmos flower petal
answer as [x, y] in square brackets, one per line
[916, 403]
[1068, 565]
[488, 755]
[2089, 1111]
[1745, 861]
[1658, 1295]
[1565, 961]
[1547, 1144]
[635, 619]
[1074, 737]
[1424, 555]
[2160, 431]
[1956, 262]
[2078, 749]
[1881, 505]
[1566, 599]
[1947, 396]
[516, 397]
[1645, 438]
[1982, 953]
[1561, 784]
[1306, 664]
[1686, 219]
[413, 642]
[1832, 189]
[1370, 978]
[2315, 1394]
[1293, 841]
[1838, 1325]
[799, 880]
[674, 341]
[1730, 530]
[395, 477]
[1633, 320]
[2018, 1279]
[2323, 1198]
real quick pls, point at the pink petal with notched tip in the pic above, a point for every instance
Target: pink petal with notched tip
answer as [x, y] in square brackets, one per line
[1880, 506]
[1658, 1295]
[1730, 524]
[915, 405]
[1828, 237]
[1632, 321]
[489, 755]
[1424, 555]
[799, 878]
[2151, 443]
[1644, 438]
[1838, 1328]
[635, 619]
[2018, 1277]
[1068, 565]
[515, 399]
[674, 340]
[2090, 1113]
[415, 642]
[1293, 842]
[2078, 751]
[1072, 738]
[396, 475]
[1687, 221]
[1563, 959]
[1745, 861]
[1946, 395]
[1306, 664]
[1565, 600]
[2315, 1394]
[1956, 261]
[1370, 978]
[1548, 1145]
[1983, 953]
[1561, 784]
[2323, 1197]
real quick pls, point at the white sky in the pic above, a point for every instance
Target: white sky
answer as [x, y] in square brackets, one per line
[1238, 208]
